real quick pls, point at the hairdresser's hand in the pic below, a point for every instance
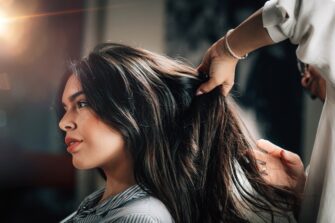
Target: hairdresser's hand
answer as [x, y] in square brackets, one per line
[279, 166]
[220, 66]
[313, 81]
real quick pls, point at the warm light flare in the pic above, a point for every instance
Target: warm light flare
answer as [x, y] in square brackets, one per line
[11, 34]
[3, 23]
[58, 13]
[17, 21]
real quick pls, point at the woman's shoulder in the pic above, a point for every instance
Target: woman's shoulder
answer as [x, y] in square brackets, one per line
[145, 210]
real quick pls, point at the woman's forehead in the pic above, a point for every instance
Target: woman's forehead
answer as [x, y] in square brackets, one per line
[72, 87]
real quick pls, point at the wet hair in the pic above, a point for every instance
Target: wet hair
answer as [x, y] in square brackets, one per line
[189, 151]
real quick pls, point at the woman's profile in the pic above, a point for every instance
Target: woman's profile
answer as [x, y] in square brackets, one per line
[166, 154]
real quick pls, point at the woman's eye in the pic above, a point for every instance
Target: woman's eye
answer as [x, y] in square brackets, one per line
[82, 104]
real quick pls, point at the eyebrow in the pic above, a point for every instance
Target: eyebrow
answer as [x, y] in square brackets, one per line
[73, 97]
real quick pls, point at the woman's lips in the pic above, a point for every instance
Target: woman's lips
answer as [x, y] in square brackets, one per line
[72, 144]
[72, 147]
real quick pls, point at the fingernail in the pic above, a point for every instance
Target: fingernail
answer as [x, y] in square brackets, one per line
[199, 92]
[260, 140]
[282, 153]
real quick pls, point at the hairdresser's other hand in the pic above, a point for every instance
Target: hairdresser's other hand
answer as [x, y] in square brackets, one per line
[281, 167]
[220, 66]
[313, 81]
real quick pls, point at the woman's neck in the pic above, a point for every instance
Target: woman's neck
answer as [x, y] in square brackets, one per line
[118, 181]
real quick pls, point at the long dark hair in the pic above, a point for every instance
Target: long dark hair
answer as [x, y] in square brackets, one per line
[188, 151]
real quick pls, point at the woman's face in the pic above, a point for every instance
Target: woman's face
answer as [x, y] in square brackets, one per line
[91, 142]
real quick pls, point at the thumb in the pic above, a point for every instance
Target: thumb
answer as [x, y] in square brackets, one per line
[290, 158]
[206, 87]
[268, 147]
[203, 67]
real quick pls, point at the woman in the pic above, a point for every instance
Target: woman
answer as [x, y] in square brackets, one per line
[310, 25]
[167, 155]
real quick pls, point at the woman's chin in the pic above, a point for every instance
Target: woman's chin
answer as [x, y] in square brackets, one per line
[80, 165]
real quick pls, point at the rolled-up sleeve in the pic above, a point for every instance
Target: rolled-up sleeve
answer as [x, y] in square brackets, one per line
[279, 18]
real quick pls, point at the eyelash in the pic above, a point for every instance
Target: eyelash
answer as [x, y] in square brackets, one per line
[82, 104]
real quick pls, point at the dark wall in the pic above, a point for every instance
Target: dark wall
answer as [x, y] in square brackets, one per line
[267, 82]
[37, 180]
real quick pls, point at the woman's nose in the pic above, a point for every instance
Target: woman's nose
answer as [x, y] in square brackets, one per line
[66, 124]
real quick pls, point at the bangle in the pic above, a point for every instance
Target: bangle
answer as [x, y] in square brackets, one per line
[226, 44]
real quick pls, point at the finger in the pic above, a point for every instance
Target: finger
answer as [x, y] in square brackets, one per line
[205, 64]
[203, 67]
[269, 147]
[288, 156]
[207, 86]
[291, 158]
[305, 81]
[259, 156]
[313, 88]
[226, 88]
[314, 72]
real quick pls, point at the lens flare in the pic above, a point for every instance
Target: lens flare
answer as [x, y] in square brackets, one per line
[3, 23]
[17, 22]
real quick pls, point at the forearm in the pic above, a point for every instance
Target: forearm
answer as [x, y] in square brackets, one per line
[249, 35]
[221, 58]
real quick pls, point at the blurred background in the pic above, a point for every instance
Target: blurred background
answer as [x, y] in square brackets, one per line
[39, 38]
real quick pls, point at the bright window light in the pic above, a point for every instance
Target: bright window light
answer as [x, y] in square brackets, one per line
[3, 23]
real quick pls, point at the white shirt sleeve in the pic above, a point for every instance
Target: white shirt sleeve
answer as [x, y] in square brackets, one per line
[284, 19]
[311, 25]
[278, 19]
[307, 23]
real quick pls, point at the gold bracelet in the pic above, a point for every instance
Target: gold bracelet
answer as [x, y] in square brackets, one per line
[226, 44]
